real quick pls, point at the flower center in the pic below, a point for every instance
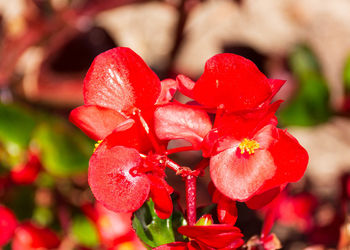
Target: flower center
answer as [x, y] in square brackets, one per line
[97, 144]
[248, 145]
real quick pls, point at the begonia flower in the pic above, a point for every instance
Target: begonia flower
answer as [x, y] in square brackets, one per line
[117, 83]
[230, 81]
[122, 181]
[8, 224]
[28, 236]
[120, 95]
[252, 156]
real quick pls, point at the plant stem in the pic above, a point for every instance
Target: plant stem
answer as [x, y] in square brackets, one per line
[191, 199]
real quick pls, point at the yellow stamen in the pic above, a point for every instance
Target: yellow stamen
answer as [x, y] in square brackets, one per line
[97, 144]
[249, 146]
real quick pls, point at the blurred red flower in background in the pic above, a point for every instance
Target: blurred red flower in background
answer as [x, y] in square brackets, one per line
[28, 236]
[8, 224]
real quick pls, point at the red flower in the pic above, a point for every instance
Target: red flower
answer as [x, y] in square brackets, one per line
[251, 156]
[118, 83]
[120, 94]
[8, 224]
[122, 181]
[295, 210]
[230, 81]
[29, 237]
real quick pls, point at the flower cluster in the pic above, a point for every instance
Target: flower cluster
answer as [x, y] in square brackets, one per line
[131, 114]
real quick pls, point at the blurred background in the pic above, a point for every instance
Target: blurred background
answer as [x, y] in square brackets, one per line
[46, 47]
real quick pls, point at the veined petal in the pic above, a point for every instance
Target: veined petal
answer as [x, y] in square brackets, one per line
[96, 121]
[115, 181]
[233, 81]
[239, 177]
[119, 79]
[177, 121]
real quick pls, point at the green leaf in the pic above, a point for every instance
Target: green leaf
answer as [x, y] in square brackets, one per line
[310, 105]
[84, 231]
[64, 150]
[152, 230]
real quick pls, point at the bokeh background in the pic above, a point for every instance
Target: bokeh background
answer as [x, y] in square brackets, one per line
[46, 47]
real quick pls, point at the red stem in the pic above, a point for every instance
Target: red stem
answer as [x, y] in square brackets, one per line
[191, 199]
[173, 166]
[177, 150]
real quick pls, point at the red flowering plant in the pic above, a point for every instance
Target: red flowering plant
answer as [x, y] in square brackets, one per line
[131, 114]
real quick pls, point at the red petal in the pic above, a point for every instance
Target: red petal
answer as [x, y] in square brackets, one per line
[177, 121]
[161, 196]
[95, 121]
[290, 158]
[239, 177]
[128, 134]
[260, 200]
[119, 79]
[217, 236]
[233, 81]
[169, 87]
[275, 85]
[185, 85]
[246, 125]
[227, 211]
[8, 224]
[112, 182]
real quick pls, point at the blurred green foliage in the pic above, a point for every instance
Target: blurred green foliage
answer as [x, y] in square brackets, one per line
[63, 149]
[310, 104]
[346, 75]
[84, 232]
